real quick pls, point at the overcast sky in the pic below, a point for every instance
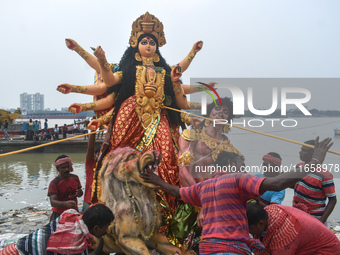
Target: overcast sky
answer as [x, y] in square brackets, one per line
[242, 39]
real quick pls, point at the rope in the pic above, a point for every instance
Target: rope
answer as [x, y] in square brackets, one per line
[47, 144]
[250, 130]
[166, 107]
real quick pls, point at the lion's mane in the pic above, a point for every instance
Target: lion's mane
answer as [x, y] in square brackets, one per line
[115, 194]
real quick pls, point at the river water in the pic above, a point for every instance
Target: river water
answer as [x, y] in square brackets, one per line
[24, 178]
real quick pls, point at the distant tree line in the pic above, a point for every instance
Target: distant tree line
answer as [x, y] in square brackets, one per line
[296, 113]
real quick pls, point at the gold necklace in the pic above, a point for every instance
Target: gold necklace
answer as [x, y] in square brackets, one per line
[217, 146]
[131, 197]
[148, 61]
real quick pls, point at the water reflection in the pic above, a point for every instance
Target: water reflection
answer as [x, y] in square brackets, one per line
[24, 178]
[10, 173]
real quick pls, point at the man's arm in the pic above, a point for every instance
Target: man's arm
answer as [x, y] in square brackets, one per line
[151, 177]
[79, 192]
[90, 147]
[286, 180]
[259, 202]
[282, 181]
[60, 204]
[329, 208]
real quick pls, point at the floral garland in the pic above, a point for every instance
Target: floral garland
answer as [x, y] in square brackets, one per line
[131, 197]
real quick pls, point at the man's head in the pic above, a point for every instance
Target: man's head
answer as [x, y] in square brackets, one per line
[97, 219]
[231, 160]
[271, 164]
[306, 153]
[257, 219]
[64, 166]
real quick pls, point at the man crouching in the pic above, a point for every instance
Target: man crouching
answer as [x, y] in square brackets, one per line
[71, 233]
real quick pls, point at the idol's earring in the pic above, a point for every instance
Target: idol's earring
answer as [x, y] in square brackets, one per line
[156, 58]
[226, 129]
[138, 57]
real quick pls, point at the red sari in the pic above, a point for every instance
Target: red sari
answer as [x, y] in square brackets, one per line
[128, 131]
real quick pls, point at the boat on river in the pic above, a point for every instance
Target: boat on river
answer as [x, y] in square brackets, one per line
[21, 139]
[20, 128]
[337, 129]
[77, 144]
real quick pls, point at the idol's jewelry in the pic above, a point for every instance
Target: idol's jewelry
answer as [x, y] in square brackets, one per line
[105, 119]
[177, 87]
[88, 106]
[103, 63]
[147, 24]
[138, 57]
[79, 89]
[83, 53]
[156, 58]
[191, 55]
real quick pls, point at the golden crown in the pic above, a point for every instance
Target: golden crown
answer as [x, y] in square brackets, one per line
[147, 24]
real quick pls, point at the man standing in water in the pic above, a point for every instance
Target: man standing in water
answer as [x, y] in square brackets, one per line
[65, 188]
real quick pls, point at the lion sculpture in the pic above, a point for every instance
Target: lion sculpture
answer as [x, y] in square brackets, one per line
[133, 202]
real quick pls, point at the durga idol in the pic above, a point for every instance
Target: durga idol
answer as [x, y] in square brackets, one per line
[141, 85]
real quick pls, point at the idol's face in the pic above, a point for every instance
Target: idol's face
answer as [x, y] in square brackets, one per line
[219, 112]
[147, 47]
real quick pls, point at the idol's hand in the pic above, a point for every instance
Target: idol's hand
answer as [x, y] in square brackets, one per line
[71, 44]
[212, 84]
[65, 88]
[100, 54]
[204, 85]
[75, 108]
[94, 125]
[176, 74]
[197, 46]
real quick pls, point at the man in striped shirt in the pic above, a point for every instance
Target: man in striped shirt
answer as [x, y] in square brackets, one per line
[223, 201]
[311, 193]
